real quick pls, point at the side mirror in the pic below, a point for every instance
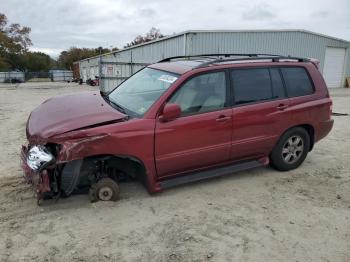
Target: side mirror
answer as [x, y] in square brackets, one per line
[171, 111]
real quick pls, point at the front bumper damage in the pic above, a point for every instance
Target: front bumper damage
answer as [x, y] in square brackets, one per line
[39, 179]
[60, 174]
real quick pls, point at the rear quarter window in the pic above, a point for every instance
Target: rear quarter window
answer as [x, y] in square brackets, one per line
[297, 81]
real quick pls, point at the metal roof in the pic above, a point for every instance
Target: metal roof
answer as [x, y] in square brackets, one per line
[218, 31]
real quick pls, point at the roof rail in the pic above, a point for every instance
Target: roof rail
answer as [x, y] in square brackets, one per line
[222, 58]
[211, 56]
[273, 59]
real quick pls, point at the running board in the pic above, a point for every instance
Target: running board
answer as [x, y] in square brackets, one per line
[210, 173]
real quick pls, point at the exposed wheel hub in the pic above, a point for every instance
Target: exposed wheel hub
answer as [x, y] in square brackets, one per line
[105, 193]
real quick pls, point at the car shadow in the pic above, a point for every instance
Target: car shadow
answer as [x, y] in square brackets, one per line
[134, 191]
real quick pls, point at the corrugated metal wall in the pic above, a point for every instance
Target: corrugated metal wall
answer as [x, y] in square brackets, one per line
[294, 43]
[145, 54]
[283, 43]
[115, 73]
[61, 75]
[154, 52]
[148, 53]
[8, 76]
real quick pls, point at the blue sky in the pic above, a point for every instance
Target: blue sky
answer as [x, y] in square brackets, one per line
[58, 25]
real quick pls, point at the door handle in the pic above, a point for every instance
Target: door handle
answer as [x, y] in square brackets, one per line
[223, 118]
[282, 106]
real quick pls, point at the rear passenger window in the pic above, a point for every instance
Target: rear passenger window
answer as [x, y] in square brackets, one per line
[297, 81]
[253, 85]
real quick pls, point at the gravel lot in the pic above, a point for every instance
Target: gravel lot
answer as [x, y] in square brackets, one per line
[257, 215]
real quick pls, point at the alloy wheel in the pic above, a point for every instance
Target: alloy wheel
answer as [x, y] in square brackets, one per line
[293, 149]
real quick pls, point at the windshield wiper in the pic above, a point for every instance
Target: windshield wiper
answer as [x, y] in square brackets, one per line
[119, 107]
[114, 104]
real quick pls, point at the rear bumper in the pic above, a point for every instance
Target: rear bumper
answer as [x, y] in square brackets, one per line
[324, 128]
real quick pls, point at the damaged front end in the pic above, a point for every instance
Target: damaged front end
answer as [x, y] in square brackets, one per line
[56, 169]
[38, 163]
[61, 132]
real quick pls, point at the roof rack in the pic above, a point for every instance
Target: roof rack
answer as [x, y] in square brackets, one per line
[210, 56]
[273, 59]
[223, 58]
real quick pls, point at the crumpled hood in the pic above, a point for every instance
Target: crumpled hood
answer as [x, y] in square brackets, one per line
[65, 113]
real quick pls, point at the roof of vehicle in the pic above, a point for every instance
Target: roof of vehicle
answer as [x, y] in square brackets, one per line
[178, 67]
[183, 64]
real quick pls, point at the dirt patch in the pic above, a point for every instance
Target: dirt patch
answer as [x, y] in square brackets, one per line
[257, 215]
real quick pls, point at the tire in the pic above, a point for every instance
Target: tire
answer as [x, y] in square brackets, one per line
[105, 189]
[291, 149]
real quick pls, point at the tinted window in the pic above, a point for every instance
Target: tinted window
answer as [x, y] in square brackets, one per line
[251, 85]
[297, 81]
[202, 93]
[277, 84]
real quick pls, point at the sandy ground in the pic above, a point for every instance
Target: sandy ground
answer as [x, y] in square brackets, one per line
[257, 215]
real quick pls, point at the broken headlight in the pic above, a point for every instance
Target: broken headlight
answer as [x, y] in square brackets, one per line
[38, 157]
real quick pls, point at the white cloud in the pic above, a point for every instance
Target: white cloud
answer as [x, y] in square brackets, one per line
[57, 25]
[259, 12]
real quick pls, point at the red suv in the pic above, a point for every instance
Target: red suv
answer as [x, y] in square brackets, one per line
[177, 121]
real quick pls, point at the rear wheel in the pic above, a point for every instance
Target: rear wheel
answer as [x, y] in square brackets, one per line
[105, 189]
[291, 150]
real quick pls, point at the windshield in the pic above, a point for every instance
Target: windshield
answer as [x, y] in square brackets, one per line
[141, 90]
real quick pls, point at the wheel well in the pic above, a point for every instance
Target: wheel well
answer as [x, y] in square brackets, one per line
[311, 131]
[119, 167]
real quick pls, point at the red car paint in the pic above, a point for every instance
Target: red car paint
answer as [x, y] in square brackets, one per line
[85, 125]
[69, 112]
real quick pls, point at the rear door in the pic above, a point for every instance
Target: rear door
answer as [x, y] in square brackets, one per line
[260, 112]
[201, 137]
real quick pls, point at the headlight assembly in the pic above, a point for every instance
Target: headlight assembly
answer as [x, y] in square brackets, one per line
[39, 157]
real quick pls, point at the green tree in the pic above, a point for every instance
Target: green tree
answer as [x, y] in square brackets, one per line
[14, 42]
[66, 58]
[37, 61]
[152, 34]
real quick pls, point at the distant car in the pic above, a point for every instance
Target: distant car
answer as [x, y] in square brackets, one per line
[93, 82]
[178, 121]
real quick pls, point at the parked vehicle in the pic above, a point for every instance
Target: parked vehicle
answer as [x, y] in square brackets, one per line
[93, 82]
[180, 120]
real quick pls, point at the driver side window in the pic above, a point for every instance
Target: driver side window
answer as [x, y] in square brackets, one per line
[203, 93]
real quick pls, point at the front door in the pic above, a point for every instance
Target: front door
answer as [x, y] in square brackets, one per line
[201, 137]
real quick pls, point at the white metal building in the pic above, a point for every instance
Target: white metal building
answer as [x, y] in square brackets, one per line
[332, 52]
